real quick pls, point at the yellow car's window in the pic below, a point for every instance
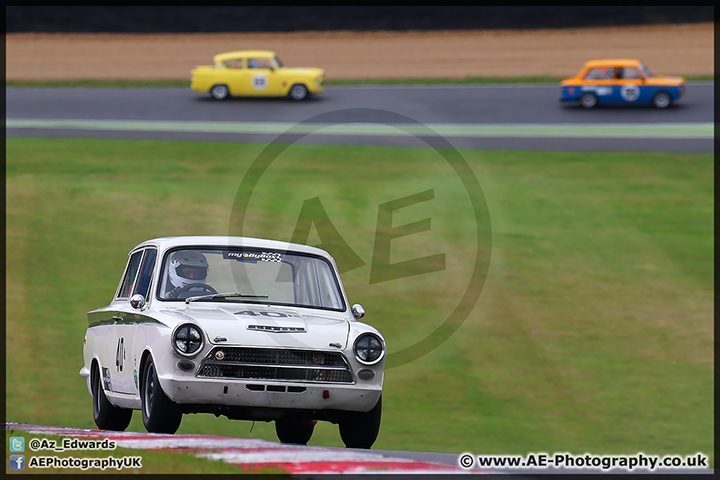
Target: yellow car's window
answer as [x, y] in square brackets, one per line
[233, 63]
[259, 63]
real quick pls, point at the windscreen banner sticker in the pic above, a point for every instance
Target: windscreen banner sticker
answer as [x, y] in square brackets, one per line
[261, 256]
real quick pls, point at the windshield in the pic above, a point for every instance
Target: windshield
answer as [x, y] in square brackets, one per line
[249, 276]
[646, 71]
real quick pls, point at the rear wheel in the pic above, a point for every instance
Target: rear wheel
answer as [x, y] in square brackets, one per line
[160, 414]
[219, 92]
[107, 416]
[360, 430]
[295, 431]
[588, 100]
[662, 99]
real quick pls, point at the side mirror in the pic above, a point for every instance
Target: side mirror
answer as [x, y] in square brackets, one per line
[357, 311]
[137, 301]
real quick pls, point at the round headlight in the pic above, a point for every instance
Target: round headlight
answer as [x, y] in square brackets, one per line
[368, 348]
[187, 339]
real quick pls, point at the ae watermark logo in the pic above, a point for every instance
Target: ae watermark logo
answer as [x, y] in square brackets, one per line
[408, 227]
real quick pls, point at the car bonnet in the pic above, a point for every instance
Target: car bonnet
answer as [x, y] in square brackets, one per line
[267, 326]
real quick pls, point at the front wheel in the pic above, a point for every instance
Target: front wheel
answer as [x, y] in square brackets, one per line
[360, 430]
[295, 431]
[298, 91]
[107, 416]
[662, 99]
[160, 414]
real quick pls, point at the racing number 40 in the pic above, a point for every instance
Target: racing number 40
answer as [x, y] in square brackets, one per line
[120, 354]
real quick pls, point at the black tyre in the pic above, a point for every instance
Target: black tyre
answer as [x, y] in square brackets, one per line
[107, 416]
[662, 99]
[219, 92]
[160, 414]
[588, 100]
[298, 91]
[295, 431]
[360, 430]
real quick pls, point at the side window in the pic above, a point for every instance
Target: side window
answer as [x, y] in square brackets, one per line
[632, 74]
[130, 274]
[145, 275]
[235, 63]
[600, 73]
[259, 63]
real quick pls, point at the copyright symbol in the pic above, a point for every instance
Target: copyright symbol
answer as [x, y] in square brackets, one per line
[466, 460]
[34, 444]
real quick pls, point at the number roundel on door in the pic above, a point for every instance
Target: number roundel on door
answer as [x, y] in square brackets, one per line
[259, 81]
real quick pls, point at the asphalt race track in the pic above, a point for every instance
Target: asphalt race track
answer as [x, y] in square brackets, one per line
[507, 117]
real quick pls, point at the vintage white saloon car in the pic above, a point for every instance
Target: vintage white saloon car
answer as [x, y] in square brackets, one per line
[247, 328]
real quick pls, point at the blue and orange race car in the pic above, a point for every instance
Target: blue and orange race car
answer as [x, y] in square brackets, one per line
[620, 81]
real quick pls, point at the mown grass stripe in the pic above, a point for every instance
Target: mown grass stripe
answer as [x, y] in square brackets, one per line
[665, 130]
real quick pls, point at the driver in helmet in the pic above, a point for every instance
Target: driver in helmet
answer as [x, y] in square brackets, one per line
[186, 267]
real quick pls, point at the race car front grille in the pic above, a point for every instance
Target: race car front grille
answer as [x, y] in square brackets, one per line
[276, 364]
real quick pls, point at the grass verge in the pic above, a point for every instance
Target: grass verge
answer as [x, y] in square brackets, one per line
[593, 333]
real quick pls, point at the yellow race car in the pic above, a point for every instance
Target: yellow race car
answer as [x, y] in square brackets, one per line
[255, 73]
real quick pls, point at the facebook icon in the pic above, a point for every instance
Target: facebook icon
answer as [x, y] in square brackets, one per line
[17, 462]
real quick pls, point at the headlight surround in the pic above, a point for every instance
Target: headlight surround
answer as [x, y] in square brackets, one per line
[187, 339]
[368, 348]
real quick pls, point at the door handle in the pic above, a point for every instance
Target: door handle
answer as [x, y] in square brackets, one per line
[117, 318]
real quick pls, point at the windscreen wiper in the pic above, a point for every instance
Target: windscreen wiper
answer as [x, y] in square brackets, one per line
[224, 295]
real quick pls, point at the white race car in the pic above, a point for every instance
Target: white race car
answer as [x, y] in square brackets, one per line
[247, 328]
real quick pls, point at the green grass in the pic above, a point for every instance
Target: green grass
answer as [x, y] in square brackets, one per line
[593, 333]
[169, 83]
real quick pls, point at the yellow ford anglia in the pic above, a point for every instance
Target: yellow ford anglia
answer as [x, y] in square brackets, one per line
[256, 73]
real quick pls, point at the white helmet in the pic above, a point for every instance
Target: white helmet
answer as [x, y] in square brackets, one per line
[187, 267]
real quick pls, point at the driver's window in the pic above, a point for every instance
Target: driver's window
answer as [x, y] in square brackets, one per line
[631, 74]
[130, 274]
[259, 63]
[145, 275]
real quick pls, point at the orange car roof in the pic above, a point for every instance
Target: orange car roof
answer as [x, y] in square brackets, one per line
[619, 62]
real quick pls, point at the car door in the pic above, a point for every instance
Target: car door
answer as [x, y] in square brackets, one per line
[630, 85]
[261, 78]
[108, 323]
[126, 325]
